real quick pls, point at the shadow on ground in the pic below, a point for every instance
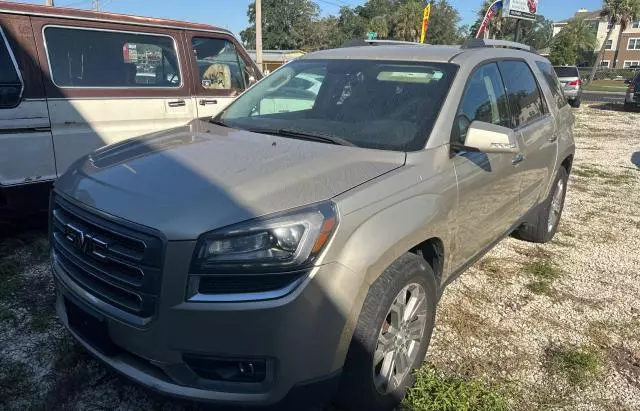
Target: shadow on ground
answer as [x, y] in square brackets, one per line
[609, 107]
[635, 158]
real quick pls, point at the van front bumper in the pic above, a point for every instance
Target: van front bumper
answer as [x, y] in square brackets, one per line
[302, 337]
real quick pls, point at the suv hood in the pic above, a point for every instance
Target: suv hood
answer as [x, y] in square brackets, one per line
[201, 177]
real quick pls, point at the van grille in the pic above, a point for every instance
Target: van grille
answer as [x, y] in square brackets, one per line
[116, 264]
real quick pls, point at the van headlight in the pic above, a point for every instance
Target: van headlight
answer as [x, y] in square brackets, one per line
[283, 241]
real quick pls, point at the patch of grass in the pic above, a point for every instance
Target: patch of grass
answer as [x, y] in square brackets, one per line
[15, 381]
[544, 272]
[610, 178]
[605, 237]
[70, 372]
[434, 390]
[39, 249]
[539, 287]
[589, 215]
[578, 365]
[10, 280]
[620, 179]
[590, 172]
[536, 252]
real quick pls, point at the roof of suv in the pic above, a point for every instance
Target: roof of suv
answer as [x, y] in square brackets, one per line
[75, 14]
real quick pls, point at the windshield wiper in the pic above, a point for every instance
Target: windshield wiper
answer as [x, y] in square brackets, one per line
[217, 122]
[303, 135]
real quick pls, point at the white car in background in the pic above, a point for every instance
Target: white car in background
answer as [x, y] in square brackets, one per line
[298, 94]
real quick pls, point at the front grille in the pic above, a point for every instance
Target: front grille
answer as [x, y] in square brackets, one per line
[119, 265]
[247, 283]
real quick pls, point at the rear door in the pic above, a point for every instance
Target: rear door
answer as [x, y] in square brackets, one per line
[26, 149]
[532, 119]
[221, 70]
[109, 82]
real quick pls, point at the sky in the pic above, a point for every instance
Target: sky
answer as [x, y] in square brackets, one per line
[232, 14]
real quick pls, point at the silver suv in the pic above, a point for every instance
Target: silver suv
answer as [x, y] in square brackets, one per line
[293, 248]
[569, 77]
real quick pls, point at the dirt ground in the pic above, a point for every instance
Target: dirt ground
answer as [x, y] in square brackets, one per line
[537, 327]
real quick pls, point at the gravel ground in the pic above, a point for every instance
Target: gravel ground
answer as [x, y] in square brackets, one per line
[552, 327]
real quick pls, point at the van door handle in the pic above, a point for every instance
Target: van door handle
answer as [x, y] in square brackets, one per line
[177, 103]
[204, 102]
[518, 158]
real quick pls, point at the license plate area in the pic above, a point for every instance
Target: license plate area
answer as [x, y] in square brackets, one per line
[90, 327]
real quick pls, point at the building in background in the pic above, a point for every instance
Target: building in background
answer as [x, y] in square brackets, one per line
[622, 49]
[272, 59]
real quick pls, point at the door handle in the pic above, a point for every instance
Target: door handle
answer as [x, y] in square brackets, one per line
[553, 139]
[518, 158]
[177, 103]
[204, 102]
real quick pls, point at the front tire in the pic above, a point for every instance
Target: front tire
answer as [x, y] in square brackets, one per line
[391, 337]
[544, 224]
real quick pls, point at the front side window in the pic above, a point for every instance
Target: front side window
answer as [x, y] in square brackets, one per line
[219, 64]
[552, 81]
[484, 100]
[95, 58]
[390, 105]
[525, 100]
[10, 82]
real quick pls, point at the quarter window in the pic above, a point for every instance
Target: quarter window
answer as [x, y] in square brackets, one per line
[219, 64]
[484, 100]
[10, 82]
[96, 58]
[525, 100]
[552, 81]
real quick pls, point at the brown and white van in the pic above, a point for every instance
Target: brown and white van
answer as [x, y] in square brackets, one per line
[72, 81]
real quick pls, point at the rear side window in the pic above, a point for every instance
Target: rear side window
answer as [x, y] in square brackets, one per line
[553, 83]
[525, 100]
[219, 64]
[484, 100]
[96, 58]
[567, 71]
[10, 82]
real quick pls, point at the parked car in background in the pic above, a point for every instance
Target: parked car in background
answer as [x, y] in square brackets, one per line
[72, 81]
[570, 79]
[632, 95]
[281, 257]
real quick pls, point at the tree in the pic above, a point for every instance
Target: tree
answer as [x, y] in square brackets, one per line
[379, 25]
[621, 12]
[537, 34]
[575, 39]
[286, 24]
[443, 24]
[407, 20]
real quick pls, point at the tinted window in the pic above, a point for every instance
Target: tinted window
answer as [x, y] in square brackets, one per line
[484, 100]
[553, 83]
[525, 102]
[567, 71]
[219, 63]
[369, 103]
[92, 58]
[10, 84]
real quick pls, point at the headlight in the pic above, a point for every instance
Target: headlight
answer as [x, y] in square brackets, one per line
[283, 241]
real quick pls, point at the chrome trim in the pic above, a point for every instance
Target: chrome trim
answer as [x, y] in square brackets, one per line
[46, 49]
[15, 66]
[131, 23]
[241, 297]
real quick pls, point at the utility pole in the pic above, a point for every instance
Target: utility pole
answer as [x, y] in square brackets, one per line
[49, 3]
[96, 5]
[259, 34]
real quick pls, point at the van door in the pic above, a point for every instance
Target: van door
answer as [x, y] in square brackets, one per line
[532, 118]
[26, 149]
[109, 82]
[221, 69]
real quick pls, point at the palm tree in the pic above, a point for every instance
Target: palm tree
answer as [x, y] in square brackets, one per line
[584, 39]
[379, 25]
[621, 12]
[407, 21]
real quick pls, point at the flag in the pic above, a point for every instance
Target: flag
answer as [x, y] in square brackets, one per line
[425, 22]
[492, 11]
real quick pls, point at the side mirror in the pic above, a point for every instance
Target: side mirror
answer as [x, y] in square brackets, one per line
[491, 138]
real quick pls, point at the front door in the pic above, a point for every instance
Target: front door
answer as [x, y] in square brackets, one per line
[488, 183]
[221, 71]
[107, 83]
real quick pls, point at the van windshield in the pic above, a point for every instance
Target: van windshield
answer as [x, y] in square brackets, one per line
[390, 105]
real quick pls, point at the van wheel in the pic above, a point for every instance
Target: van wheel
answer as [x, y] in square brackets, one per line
[391, 337]
[544, 224]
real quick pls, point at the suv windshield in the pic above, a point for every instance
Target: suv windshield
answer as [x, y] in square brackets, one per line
[388, 105]
[567, 71]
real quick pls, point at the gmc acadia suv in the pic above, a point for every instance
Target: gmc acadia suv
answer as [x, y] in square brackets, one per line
[293, 248]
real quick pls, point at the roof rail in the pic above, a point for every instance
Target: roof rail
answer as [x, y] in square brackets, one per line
[367, 42]
[480, 43]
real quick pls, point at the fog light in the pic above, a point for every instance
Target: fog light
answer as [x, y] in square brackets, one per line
[229, 370]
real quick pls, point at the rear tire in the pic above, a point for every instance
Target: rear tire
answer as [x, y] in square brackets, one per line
[544, 223]
[362, 386]
[575, 103]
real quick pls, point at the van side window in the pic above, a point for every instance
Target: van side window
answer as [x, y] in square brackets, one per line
[97, 58]
[219, 64]
[484, 100]
[10, 81]
[552, 81]
[525, 99]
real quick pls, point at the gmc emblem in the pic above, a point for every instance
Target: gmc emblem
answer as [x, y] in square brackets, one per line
[88, 243]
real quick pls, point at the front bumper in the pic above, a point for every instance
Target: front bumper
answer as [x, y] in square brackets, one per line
[302, 336]
[631, 98]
